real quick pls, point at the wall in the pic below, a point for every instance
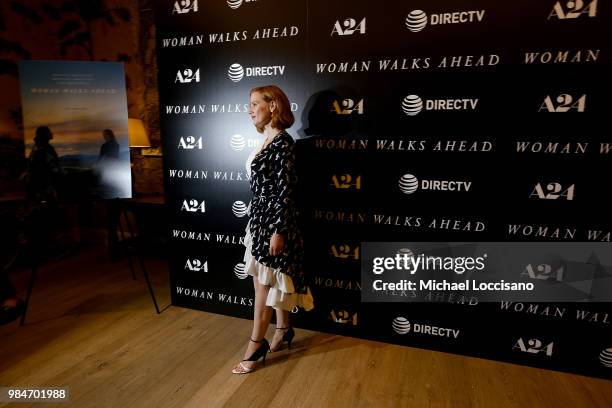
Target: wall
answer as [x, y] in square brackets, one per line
[407, 130]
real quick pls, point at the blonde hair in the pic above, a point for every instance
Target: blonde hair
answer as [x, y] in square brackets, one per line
[282, 117]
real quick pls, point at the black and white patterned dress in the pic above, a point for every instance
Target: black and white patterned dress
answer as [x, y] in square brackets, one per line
[272, 210]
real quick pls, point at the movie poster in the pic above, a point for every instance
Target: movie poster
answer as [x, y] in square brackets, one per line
[76, 112]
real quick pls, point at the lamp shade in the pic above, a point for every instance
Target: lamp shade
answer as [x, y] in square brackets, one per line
[138, 134]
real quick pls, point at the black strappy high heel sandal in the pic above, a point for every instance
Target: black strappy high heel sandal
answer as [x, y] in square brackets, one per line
[261, 351]
[287, 337]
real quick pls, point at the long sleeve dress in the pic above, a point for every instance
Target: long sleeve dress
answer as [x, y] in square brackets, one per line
[272, 210]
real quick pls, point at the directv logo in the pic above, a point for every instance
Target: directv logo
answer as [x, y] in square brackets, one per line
[412, 105]
[407, 252]
[408, 184]
[237, 143]
[605, 357]
[239, 271]
[236, 72]
[234, 4]
[401, 325]
[416, 20]
[239, 209]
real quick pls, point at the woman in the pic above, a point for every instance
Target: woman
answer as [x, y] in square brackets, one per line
[44, 171]
[273, 242]
[109, 151]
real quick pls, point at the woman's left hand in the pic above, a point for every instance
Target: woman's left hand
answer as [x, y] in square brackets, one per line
[277, 243]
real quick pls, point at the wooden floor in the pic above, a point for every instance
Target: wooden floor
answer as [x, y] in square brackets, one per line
[93, 329]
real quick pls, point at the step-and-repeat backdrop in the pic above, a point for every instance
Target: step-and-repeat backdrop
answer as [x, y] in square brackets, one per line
[415, 121]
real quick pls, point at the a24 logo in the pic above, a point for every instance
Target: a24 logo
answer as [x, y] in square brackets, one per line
[187, 76]
[349, 26]
[347, 107]
[346, 181]
[573, 9]
[190, 142]
[193, 206]
[185, 6]
[553, 191]
[196, 265]
[563, 103]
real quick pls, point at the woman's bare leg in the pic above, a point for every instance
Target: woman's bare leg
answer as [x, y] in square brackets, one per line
[261, 319]
[282, 320]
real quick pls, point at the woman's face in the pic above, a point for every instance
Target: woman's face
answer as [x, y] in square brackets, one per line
[260, 110]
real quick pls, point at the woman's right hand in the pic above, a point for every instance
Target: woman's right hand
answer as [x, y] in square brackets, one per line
[277, 243]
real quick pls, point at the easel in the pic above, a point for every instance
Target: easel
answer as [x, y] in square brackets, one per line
[133, 245]
[33, 246]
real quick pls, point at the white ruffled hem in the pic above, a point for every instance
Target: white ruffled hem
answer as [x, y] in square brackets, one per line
[282, 293]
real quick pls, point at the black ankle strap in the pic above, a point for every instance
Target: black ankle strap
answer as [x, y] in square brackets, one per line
[257, 342]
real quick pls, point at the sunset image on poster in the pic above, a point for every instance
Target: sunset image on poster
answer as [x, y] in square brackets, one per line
[83, 106]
